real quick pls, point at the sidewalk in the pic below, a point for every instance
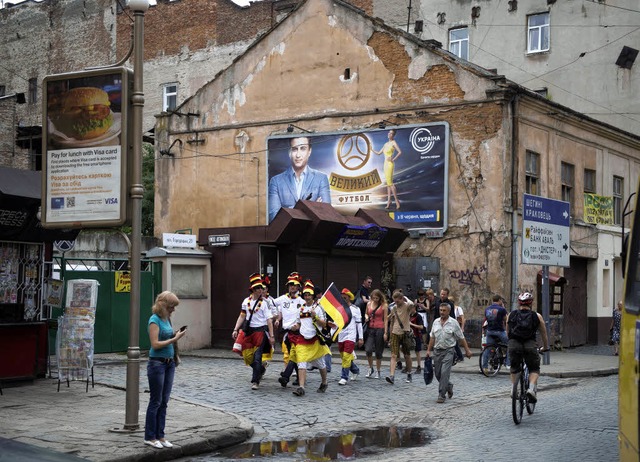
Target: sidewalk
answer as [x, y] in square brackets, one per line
[82, 425]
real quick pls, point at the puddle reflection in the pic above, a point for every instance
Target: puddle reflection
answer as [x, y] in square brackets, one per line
[333, 447]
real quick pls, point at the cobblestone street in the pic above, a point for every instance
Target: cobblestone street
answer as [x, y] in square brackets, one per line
[576, 418]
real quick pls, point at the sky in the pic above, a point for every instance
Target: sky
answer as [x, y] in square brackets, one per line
[151, 2]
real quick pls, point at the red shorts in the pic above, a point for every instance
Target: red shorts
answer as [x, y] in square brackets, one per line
[346, 347]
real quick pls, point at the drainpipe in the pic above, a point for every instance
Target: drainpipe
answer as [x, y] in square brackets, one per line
[514, 200]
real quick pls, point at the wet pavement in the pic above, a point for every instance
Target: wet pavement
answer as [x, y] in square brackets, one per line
[213, 407]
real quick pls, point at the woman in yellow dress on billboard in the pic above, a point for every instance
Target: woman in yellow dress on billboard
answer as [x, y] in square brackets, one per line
[389, 149]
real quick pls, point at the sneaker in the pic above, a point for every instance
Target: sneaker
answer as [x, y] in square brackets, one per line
[323, 387]
[418, 369]
[342, 382]
[390, 380]
[487, 371]
[369, 374]
[354, 377]
[283, 381]
[408, 378]
[299, 391]
[440, 399]
[531, 394]
[450, 391]
[254, 385]
[399, 365]
[166, 443]
[154, 444]
[377, 376]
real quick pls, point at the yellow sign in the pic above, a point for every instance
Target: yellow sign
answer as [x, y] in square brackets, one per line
[123, 281]
[598, 210]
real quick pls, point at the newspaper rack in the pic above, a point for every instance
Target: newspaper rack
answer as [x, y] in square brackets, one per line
[75, 338]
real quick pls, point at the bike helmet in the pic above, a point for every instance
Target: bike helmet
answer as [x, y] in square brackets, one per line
[525, 298]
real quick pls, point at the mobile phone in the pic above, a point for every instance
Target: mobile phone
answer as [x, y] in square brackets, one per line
[183, 328]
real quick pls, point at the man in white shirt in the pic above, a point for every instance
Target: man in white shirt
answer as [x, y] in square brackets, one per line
[445, 334]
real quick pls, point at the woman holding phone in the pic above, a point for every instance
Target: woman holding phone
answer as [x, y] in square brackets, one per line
[161, 367]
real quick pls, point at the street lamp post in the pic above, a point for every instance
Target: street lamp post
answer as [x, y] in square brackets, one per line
[132, 406]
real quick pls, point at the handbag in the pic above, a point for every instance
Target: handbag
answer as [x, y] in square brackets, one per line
[428, 370]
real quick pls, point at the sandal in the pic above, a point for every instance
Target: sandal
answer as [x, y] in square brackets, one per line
[299, 391]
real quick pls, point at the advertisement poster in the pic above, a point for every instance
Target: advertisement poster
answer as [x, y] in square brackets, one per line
[400, 169]
[84, 139]
[598, 210]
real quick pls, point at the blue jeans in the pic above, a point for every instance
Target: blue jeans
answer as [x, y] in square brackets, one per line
[354, 369]
[494, 337]
[160, 377]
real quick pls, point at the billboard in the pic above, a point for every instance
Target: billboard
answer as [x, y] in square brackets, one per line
[85, 140]
[400, 169]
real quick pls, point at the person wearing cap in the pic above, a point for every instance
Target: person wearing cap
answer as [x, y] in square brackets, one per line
[347, 340]
[258, 330]
[308, 351]
[288, 307]
[330, 326]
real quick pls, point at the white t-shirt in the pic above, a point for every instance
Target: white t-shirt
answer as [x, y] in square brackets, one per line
[354, 328]
[261, 314]
[459, 311]
[307, 329]
[289, 307]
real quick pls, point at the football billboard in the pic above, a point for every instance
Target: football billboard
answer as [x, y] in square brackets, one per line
[400, 169]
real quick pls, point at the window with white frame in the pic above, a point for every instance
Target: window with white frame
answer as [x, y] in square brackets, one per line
[532, 173]
[538, 33]
[568, 182]
[618, 193]
[169, 96]
[459, 42]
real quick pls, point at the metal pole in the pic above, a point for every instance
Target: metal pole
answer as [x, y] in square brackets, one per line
[409, 16]
[132, 406]
[545, 307]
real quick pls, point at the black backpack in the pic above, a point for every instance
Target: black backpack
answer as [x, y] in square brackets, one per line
[523, 324]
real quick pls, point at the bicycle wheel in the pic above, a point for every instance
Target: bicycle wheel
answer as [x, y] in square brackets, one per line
[529, 405]
[493, 362]
[517, 399]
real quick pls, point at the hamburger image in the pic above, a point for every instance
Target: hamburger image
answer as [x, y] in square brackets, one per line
[83, 113]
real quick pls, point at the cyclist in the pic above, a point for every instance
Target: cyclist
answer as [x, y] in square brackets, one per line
[496, 317]
[522, 326]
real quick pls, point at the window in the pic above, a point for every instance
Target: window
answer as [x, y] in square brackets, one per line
[567, 178]
[532, 173]
[459, 42]
[33, 90]
[538, 33]
[589, 181]
[618, 193]
[169, 96]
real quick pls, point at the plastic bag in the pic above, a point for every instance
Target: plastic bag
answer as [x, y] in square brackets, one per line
[428, 370]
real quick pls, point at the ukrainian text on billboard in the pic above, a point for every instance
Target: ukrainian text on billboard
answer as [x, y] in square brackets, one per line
[401, 169]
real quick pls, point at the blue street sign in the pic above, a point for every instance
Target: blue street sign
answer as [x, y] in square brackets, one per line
[545, 231]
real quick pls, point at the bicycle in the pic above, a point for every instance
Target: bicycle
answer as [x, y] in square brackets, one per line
[519, 397]
[497, 358]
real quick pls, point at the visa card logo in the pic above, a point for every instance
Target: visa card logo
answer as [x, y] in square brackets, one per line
[57, 203]
[111, 200]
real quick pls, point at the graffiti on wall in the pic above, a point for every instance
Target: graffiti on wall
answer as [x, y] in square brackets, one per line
[468, 277]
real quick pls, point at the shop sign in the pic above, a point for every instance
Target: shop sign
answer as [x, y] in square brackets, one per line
[361, 237]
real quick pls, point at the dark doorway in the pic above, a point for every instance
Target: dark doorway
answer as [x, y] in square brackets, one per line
[575, 304]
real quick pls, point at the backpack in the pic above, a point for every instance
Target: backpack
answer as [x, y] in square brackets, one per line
[523, 324]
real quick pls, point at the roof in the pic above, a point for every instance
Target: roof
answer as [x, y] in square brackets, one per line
[20, 183]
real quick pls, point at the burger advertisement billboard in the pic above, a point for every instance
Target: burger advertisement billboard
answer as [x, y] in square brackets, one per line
[401, 169]
[85, 140]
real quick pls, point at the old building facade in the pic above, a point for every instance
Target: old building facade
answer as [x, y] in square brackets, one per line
[356, 73]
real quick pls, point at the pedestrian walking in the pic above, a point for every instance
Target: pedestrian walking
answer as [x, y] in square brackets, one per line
[401, 334]
[616, 320]
[161, 367]
[445, 334]
[256, 337]
[376, 319]
[347, 340]
[307, 351]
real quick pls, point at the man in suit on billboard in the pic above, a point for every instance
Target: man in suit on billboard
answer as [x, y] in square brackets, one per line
[299, 181]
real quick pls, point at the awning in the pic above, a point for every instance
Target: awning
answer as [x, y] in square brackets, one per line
[20, 192]
[554, 278]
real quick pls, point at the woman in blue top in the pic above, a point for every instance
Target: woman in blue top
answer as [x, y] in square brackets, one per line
[160, 368]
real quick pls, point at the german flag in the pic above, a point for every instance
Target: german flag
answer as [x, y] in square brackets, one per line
[335, 307]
